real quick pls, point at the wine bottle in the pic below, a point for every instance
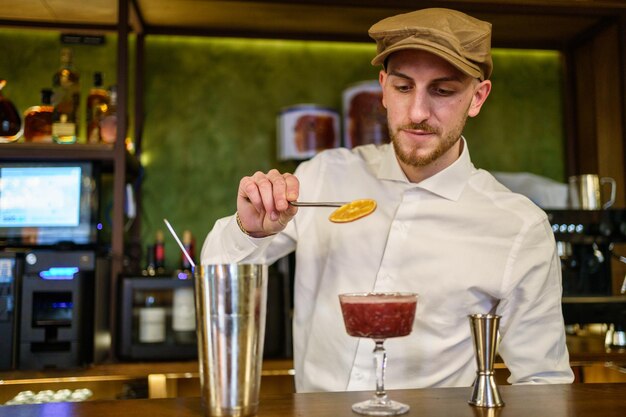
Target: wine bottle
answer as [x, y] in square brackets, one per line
[184, 315]
[159, 253]
[152, 319]
[66, 100]
[183, 307]
[188, 244]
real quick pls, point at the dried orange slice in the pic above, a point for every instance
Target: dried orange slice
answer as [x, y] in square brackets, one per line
[352, 211]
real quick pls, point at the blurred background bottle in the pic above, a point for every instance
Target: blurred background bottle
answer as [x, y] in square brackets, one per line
[97, 107]
[10, 120]
[184, 315]
[108, 124]
[159, 252]
[152, 319]
[150, 270]
[38, 119]
[183, 307]
[66, 100]
[189, 245]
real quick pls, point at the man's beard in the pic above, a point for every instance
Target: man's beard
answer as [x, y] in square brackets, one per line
[412, 157]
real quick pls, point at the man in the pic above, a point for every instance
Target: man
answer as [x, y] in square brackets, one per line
[442, 228]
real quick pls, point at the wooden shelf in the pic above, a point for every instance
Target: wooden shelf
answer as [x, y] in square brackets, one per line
[524, 23]
[75, 152]
[56, 152]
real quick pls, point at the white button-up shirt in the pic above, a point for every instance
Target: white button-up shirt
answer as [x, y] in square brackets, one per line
[459, 239]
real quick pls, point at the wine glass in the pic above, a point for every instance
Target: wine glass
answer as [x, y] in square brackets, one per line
[379, 316]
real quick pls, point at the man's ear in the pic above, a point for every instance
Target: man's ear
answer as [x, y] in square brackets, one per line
[382, 75]
[481, 92]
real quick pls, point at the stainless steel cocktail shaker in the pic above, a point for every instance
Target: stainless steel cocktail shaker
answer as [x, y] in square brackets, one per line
[230, 307]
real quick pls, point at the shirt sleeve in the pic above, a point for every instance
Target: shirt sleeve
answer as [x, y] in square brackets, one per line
[226, 243]
[532, 330]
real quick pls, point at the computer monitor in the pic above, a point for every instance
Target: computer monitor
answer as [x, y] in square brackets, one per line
[47, 203]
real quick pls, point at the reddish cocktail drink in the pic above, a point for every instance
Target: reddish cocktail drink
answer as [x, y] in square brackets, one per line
[378, 316]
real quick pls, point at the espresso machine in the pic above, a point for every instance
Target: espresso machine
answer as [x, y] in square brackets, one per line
[586, 242]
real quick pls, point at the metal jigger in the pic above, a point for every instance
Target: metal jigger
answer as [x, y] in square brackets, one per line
[485, 335]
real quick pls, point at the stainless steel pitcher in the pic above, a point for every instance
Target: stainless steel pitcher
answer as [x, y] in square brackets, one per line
[230, 307]
[586, 192]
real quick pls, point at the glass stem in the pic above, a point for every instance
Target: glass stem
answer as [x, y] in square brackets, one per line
[380, 358]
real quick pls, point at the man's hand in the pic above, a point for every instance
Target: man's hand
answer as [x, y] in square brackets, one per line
[263, 202]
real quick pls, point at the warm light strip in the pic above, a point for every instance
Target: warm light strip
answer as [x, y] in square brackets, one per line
[100, 378]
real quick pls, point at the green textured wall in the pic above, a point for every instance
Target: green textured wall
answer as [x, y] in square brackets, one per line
[211, 107]
[521, 126]
[211, 117]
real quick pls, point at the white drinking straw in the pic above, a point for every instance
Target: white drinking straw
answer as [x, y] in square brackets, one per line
[182, 247]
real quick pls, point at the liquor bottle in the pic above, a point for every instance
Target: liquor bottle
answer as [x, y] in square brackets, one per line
[38, 119]
[183, 307]
[159, 253]
[66, 100]
[152, 319]
[10, 120]
[150, 270]
[97, 107]
[108, 124]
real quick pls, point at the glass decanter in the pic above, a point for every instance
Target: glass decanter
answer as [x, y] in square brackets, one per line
[10, 120]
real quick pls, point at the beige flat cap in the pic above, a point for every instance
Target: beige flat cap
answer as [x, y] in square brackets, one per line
[462, 40]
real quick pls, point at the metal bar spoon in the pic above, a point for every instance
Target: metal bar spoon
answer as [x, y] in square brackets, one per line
[347, 212]
[317, 204]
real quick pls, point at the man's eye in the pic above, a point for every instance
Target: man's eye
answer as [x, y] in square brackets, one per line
[403, 88]
[442, 91]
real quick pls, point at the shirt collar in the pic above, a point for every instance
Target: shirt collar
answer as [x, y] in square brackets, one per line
[448, 183]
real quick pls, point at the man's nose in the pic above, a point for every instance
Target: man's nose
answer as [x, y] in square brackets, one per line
[420, 109]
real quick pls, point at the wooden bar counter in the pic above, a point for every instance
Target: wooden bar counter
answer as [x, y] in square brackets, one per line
[589, 400]
[591, 361]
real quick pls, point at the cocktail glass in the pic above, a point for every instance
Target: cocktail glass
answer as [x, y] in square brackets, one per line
[379, 316]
